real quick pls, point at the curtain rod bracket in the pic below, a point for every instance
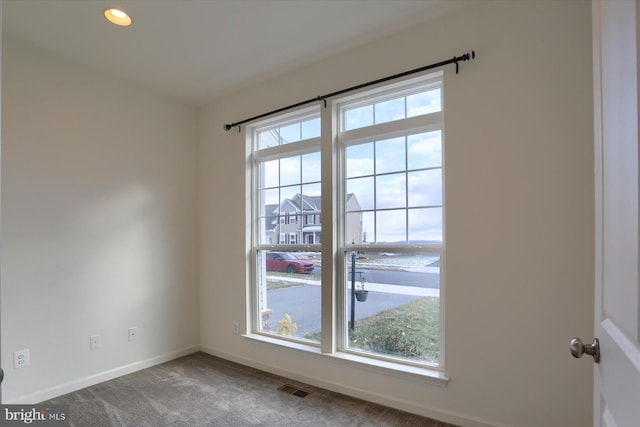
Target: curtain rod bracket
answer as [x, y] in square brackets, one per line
[469, 56]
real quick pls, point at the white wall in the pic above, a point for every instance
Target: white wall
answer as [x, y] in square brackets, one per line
[519, 180]
[98, 225]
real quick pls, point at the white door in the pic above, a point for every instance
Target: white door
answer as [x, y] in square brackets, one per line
[617, 322]
[1, 371]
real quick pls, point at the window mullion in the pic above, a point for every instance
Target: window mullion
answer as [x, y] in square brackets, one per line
[328, 215]
[406, 186]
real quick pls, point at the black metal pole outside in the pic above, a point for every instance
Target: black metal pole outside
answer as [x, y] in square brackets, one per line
[352, 325]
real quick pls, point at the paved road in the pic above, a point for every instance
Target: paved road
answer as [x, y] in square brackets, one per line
[424, 278]
[406, 278]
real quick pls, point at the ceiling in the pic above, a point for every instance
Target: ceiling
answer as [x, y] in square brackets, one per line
[197, 50]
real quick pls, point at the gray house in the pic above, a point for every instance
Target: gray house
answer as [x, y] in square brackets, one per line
[297, 221]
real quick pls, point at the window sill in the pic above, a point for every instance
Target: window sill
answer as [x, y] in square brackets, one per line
[385, 367]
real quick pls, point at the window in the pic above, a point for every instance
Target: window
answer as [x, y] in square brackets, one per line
[388, 230]
[392, 212]
[286, 178]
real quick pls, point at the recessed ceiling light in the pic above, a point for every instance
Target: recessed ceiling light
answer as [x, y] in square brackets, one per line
[118, 17]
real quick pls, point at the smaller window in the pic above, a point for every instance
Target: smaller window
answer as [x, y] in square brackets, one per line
[293, 239]
[294, 132]
[387, 109]
[282, 220]
[311, 219]
[292, 219]
[282, 239]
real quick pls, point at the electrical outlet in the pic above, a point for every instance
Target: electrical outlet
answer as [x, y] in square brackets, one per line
[133, 333]
[21, 358]
[236, 328]
[94, 341]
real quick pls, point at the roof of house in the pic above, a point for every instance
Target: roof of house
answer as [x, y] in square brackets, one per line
[299, 203]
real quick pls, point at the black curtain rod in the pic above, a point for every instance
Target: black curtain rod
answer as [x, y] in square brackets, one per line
[466, 57]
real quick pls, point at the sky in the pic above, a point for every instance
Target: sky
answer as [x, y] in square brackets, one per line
[400, 178]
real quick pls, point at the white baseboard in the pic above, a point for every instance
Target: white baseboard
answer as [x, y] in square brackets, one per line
[80, 383]
[444, 415]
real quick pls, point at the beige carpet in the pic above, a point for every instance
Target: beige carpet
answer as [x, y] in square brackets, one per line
[202, 390]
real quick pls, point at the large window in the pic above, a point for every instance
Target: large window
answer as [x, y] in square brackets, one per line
[287, 186]
[387, 236]
[392, 210]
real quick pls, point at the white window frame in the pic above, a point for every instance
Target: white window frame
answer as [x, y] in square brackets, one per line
[254, 158]
[377, 132]
[332, 215]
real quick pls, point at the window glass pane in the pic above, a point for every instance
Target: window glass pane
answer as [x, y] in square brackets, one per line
[353, 224]
[389, 110]
[268, 213]
[362, 190]
[391, 191]
[393, 304]
[290, 133]
[423, 103]
[311, 128]
[311, 207]
[358, 117]
[360, 160]
[368, 227]
[391, 226]
[287, 134]
[290, 170]
[289, 199]
[311, 167]
[424, 188]
[390, 155]
[268, 138]
[425, 224]
[270, 172]
[269, 201]
[311, 196]
[289, 294]
[425, 150]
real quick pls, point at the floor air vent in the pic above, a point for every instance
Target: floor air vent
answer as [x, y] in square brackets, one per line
[293, 390]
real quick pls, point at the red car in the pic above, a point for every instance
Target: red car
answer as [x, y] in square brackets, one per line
[286, 262]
